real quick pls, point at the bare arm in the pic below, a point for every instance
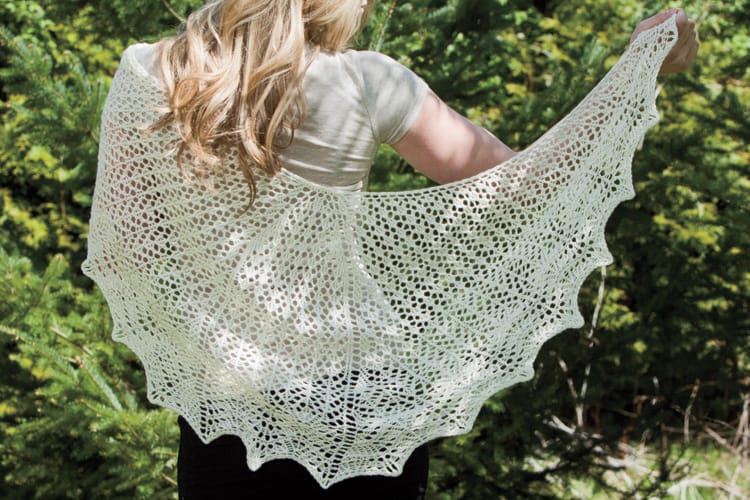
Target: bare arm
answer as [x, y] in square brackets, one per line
[446, 147]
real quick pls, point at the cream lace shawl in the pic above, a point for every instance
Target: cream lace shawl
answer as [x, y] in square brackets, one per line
[344, 329]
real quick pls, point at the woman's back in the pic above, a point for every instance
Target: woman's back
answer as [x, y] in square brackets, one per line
[356, 101]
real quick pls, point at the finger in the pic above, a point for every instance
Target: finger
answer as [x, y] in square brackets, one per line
[682, 21]
[679, 65]
[660, 18]
[653, 21]
[685, 36]
[687, 41]
[681, 60]
[692, 53]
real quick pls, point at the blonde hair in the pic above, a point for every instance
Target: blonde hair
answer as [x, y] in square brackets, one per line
[234, 75]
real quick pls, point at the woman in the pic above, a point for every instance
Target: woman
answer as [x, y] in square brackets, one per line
[261, 85]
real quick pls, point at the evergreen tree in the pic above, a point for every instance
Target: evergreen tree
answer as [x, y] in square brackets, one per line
[670, 344]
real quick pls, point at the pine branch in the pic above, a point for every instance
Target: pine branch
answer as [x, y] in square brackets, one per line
[172, 11]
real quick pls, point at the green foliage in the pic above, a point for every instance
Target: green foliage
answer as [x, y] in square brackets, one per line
[74, 419]
[671, 342]
[48, 141]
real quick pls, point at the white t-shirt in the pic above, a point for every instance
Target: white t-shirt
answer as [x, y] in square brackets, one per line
[356, 101]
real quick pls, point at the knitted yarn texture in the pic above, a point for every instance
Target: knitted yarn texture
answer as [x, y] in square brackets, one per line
[344, 329]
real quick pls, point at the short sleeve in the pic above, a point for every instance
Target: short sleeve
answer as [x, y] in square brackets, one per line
[393, 95]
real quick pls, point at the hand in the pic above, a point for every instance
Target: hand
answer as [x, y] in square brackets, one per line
[683, 53]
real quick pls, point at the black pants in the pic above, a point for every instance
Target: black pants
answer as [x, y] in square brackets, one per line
[219, 470]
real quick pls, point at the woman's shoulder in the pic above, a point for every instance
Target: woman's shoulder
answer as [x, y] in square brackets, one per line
[371, 60]
[145, 57]
[364, 59]
[369, 70]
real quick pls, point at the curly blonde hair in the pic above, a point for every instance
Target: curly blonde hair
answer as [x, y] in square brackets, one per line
[234, 76]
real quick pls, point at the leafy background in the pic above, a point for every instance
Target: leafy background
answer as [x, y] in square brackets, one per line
[651, 398]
